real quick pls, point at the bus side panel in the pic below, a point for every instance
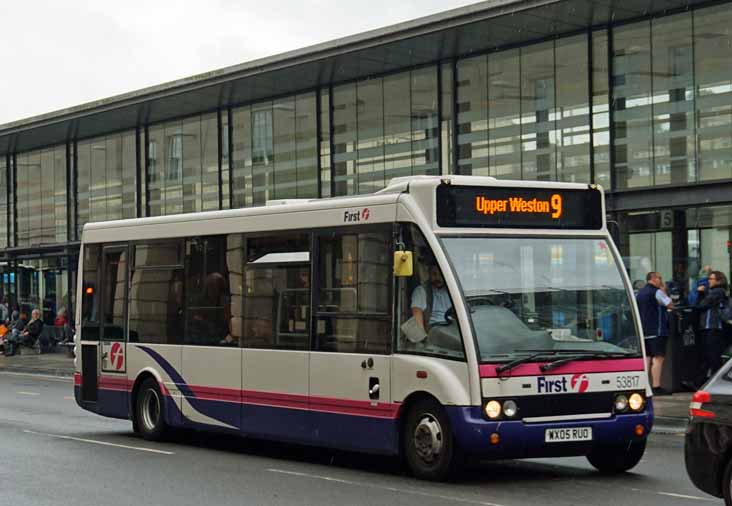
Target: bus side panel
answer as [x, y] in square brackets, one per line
[446, 380]
[165, 360]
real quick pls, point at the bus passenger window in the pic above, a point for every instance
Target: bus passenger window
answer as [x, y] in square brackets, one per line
[354, 292]
[277, 292]
[208, 298]
[156, 294]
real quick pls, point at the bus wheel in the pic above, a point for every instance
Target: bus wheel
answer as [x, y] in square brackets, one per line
[149, 414]
[615, 460]
[428, 441]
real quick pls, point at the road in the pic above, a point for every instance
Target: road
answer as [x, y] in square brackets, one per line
[54, 453]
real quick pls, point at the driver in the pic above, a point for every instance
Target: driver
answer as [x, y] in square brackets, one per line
[430, 301]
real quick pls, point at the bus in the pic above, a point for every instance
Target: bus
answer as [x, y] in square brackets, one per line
[441, 318]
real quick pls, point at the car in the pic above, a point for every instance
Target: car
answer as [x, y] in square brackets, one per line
[708, 439]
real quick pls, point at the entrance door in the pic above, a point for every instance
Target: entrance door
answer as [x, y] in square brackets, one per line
[350, 365]
[113, 385]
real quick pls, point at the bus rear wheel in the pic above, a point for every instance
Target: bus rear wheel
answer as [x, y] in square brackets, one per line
[429, 446]
[149, 411]
[617, 459]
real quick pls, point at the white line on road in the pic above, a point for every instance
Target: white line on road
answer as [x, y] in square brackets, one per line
[104, 443]
[58, 379]
[28, 393]
[382, 487]
[678, 496]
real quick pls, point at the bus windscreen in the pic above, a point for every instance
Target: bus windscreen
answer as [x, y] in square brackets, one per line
[502, 207]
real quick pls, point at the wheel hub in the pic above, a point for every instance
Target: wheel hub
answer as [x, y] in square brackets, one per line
[428, 438]
[150, 410]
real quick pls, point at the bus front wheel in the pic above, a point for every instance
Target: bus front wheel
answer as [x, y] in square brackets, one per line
[429, 447]
[149, 414]
[617, 459]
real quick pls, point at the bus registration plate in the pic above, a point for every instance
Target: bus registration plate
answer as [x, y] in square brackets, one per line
[568, 435]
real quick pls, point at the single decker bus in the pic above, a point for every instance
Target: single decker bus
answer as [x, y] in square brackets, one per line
[438, 319]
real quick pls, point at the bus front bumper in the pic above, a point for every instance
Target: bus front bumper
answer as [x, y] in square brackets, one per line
[518, 439]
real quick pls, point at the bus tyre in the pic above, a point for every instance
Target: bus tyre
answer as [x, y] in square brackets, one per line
[616, 460]
[429, 447]
[149, 411]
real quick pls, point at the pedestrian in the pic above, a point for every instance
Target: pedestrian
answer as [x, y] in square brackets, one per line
[4, 312]
[654, 305]
[713, 340]
[33, 330]
[702, 285]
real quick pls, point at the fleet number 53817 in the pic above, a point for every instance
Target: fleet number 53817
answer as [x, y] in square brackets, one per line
[627, 382]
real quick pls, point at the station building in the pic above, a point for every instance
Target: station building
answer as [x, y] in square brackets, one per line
[635, 95]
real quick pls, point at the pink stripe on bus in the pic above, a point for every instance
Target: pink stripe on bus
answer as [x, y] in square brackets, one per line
[579, 366]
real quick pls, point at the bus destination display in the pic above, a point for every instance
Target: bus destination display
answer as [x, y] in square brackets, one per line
[473, 206]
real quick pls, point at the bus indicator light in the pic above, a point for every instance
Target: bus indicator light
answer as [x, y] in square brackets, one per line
[89, 290]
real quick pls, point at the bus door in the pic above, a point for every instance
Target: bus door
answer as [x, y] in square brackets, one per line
[113, 398]
[350, 365]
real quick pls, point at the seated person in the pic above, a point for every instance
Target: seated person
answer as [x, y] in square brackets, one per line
[429, 312]
[34, 328]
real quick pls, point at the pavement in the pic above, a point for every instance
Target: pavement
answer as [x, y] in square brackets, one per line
[85, 459]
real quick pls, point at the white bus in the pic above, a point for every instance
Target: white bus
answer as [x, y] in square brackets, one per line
[439, 317]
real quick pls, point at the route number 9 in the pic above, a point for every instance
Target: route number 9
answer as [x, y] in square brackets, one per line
[556, 203]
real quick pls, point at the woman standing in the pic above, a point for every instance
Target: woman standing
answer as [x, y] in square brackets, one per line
[713, 341]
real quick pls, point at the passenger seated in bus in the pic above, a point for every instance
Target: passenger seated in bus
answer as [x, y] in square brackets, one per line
[430, 301]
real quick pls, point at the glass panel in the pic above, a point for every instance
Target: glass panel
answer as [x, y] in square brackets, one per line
[573, 110]
[3, 202]
[713, 74]
[114, 177]
[58, 191]
[190, 140]
[226, 165]
[155, 168]
[210, 161]
[600, 109]
[446, 76]
[344, 139]
[504, 114]
[35, 198]
[397, 126]
[325, 144]
[285, 168]
[241, 172]
[673, 100]
[306, 137]
[370, 165]
[262, 154]
[129, 175]
[208, 299]
[172, 184]
[538, 113]
[277, 292]
[425, 122]
[22, 202]
[98, 184]
[472, 115]
[46, 188]
[631, 105]
[83, 180]
[650, 252]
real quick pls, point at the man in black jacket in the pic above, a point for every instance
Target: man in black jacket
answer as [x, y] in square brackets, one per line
[34, 328]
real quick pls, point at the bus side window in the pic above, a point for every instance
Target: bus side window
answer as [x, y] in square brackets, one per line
[424, 301]
[90, 298]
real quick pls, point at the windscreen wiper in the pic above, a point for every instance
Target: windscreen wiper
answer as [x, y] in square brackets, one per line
[581, 356]
[517, 362]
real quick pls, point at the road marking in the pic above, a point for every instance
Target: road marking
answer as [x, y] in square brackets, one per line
[103, 443]
[28, 393]
[678, 496]
[48, 377]
[383, 487]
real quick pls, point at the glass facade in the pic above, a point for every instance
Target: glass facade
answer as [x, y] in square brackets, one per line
[634, 106]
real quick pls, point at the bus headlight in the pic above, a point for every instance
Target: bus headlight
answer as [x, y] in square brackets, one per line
[621, 403]
[510, 409]
[636, 402]
[493, 409]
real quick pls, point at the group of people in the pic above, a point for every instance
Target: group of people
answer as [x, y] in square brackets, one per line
[707, 301]
[19, 330]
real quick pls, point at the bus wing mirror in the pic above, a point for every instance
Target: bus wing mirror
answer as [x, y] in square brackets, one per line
[403, 264]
